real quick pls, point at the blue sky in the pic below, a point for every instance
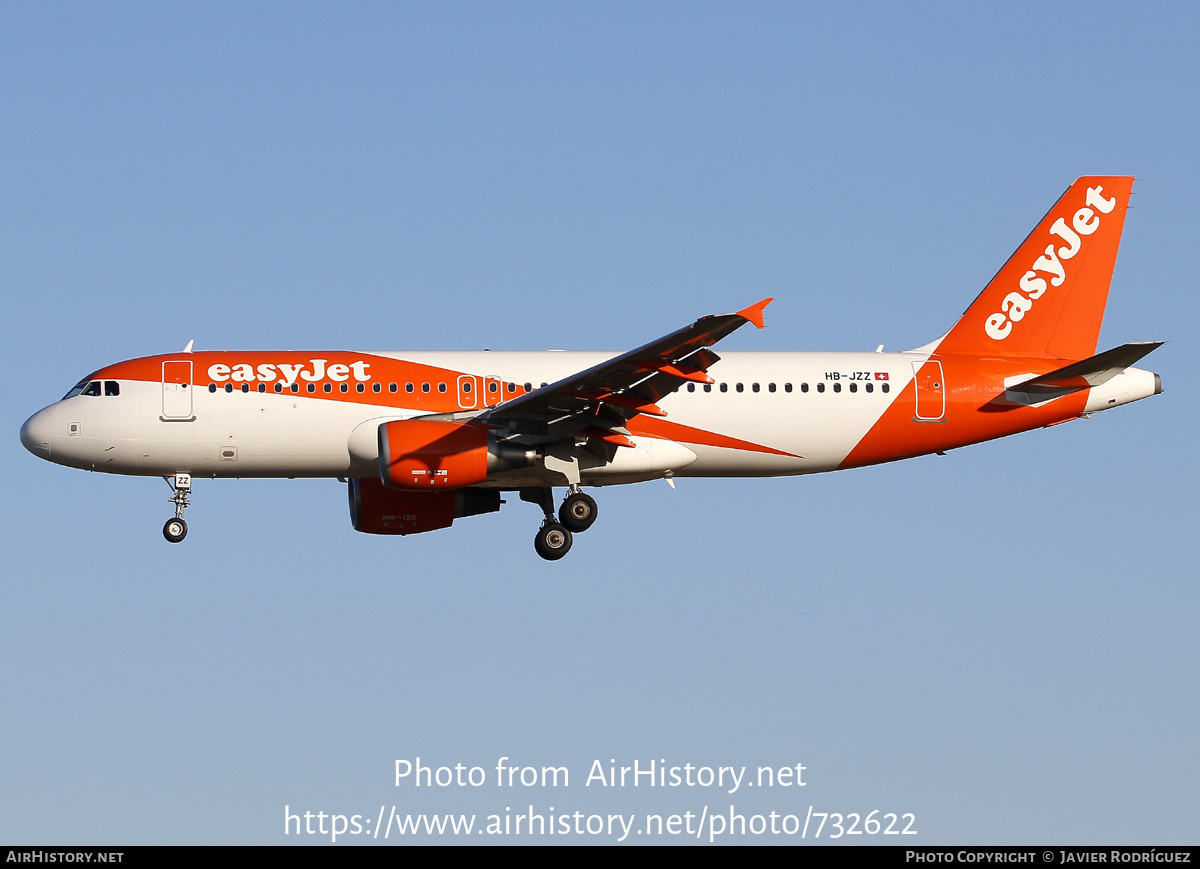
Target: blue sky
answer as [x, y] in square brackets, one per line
[1001, 641]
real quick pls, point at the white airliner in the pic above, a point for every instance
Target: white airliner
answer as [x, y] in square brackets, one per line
[425, 438]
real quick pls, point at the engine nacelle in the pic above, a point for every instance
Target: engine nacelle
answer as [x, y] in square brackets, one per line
[375, 509]
[428, 454]
[424, 455]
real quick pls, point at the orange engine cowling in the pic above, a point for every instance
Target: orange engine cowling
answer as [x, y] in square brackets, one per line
[428, 454]
[378, 510]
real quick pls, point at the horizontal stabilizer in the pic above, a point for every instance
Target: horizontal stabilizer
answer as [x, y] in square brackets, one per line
[1091, 372]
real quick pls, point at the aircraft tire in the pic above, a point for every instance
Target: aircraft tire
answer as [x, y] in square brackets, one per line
[577, 512]
[553, 541]
[175, 530]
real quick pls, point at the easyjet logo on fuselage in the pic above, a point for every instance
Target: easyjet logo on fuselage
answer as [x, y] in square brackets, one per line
[1016, 305]
[268, 372]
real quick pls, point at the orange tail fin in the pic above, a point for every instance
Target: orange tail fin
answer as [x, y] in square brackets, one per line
[1048, 299]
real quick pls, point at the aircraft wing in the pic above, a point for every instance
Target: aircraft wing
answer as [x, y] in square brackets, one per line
[595, 404]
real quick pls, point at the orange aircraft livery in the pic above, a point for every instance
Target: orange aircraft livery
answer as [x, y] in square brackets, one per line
[422, 439]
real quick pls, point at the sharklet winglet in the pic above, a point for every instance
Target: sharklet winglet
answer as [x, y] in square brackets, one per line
[755, 312]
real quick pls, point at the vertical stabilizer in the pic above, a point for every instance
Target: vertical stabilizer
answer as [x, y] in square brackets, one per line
[1048, 299]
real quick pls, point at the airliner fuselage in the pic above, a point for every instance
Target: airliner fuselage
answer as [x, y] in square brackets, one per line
[766, 414]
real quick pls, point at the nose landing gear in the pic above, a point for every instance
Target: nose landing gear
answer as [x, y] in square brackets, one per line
[181, 485]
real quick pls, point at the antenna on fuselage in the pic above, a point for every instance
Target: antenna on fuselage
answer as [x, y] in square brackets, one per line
[188, 348]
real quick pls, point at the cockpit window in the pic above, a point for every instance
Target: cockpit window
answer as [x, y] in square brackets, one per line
[94, 387]
[75, 390]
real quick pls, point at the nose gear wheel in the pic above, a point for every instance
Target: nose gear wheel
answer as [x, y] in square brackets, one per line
[175, 530]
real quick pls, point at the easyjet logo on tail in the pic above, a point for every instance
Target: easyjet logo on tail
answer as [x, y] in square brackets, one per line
[1016, 305]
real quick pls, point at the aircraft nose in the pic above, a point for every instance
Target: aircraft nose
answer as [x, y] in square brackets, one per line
[35, 434]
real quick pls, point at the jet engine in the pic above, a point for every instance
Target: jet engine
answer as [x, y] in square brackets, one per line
[425, 455]
[375, 509]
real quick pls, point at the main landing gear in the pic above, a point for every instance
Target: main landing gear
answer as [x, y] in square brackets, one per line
[553, 541]
[577, 513]
[181, 487]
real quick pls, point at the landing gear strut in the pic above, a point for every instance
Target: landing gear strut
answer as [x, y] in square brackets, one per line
[577, 513]
[181, 487]
[553, 541]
